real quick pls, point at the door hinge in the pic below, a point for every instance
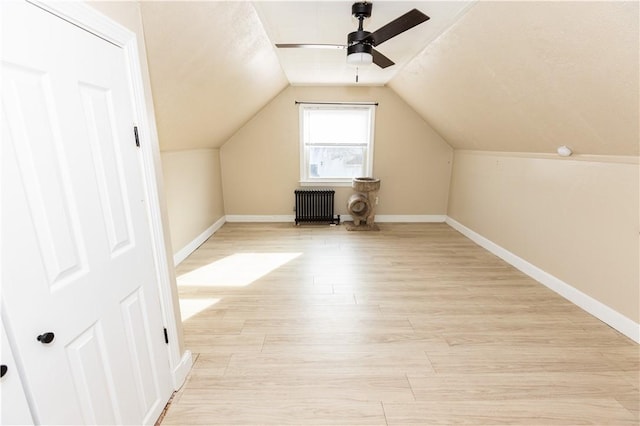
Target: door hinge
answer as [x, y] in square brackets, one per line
[135, 132]
[166, 336]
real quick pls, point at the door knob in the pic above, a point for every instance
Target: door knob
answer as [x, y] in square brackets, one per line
[45, 338]
[3, 370]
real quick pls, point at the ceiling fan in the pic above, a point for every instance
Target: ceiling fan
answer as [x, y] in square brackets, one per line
[360, 44]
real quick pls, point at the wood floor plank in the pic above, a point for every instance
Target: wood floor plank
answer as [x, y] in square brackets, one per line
[569, 337]
[414, 324]
[532, 358]
[211, 364]
[322, 361]
[631, 401]
[203, 325]
[224, 344]
[346, 387]
[508, 386]
[278, 412]
[571, 411]
[625, 357]
[314, 312]
[302, 326]
[358, 342]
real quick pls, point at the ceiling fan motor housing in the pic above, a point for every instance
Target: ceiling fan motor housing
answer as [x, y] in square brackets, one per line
[359, 37]
[361, 9]
[359, 48]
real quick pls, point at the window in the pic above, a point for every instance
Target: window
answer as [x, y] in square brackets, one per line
[336, 142]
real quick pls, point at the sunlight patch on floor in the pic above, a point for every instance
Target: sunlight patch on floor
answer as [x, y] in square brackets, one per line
[191, 307]
[237, 270]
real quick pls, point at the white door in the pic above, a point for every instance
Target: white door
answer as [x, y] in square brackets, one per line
[75, 237]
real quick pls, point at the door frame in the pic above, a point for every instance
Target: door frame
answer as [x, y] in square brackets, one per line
[91, 20]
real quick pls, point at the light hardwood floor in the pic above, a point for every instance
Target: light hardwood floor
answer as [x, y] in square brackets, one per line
[414, 324]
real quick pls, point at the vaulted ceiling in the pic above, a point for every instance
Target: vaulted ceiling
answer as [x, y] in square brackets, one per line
[503, 76]
[329, 22]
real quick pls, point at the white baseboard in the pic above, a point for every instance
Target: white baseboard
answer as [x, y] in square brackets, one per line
[182, 369]
[418, 218]
[260, 218]
[410, 218]
[185, 251]
[596, 308]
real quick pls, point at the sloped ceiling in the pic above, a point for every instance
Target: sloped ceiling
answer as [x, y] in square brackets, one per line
[530, 76]
[212, 68]
[505, 76]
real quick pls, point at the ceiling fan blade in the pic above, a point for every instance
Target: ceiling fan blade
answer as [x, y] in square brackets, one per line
[380, 60]
[310, 46]
[397, 26]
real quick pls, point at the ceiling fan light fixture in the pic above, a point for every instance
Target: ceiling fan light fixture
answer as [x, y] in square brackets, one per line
[359, 54]
[361, 58]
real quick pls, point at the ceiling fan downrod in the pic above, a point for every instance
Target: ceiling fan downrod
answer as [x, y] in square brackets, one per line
[360, 11]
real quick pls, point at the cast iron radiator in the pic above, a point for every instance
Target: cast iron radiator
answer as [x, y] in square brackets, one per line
[315, 205]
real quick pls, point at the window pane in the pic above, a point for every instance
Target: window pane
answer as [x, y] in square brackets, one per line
[337, 126]
[338, 162]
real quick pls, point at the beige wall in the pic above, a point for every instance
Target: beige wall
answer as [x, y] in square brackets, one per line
[193, 191]
[577, 220]
[260, 163]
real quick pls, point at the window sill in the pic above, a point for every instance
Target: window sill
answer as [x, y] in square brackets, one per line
[325, 183]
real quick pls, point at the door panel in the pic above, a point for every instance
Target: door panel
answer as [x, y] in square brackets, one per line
[46, 184]
[140, 347]
[100, 121]
[92, 377]
[76, 244]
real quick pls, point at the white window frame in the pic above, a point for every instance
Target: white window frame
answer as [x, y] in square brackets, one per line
[305, 179]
